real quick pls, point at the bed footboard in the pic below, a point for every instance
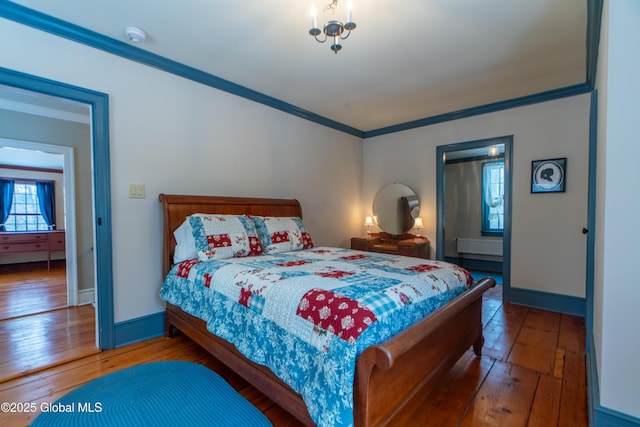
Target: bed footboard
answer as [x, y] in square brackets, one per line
[387, 376]
[390, 374]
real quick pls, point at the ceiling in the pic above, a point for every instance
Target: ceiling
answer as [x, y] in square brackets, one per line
[12, 156]
[25, 101]
[15, 99]
[405, 61]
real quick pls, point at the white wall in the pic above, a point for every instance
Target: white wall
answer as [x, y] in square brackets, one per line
[180, 137]
[548, 247]
[616, 293]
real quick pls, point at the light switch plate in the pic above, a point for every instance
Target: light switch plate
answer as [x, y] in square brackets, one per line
[136, 191]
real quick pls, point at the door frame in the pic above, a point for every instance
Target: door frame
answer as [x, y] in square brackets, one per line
[441, 156]
[591, 213]
[103, 256]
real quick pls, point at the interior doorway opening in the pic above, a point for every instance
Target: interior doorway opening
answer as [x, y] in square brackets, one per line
[474, 206]
[27, 154]
[99, 166]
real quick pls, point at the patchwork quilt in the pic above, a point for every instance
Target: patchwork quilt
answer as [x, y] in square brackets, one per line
[308, 314]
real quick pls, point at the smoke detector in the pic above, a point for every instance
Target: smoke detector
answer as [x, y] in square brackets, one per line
[135, 34]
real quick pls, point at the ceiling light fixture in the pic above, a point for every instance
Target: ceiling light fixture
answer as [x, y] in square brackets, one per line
[135, 34]
[333, 29]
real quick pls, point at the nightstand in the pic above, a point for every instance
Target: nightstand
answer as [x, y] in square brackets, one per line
[406, 244]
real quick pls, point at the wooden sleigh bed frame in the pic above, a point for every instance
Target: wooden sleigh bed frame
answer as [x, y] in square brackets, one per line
[387, 376]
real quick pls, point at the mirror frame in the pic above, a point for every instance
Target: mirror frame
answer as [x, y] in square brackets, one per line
[395, 208]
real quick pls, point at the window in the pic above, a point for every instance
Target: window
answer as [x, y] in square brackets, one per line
[493, 198]
[25, 212]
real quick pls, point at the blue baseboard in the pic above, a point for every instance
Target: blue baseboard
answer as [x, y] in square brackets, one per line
[600, 416]
[477, 264]
[548, 301]
[139, 329]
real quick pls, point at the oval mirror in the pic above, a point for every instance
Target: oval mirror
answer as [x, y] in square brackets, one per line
[395, 208]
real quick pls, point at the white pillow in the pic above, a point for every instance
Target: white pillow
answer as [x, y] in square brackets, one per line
[186, 244]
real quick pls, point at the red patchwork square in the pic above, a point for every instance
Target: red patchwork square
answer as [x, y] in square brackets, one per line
[423, 268]
[207, 280]
[307, 243]
[255, 247]
[245, 297]
[341, 316]
[335, 274]
[218, 240]
[280, 237]
[354, 257]
[185, 268]
[292, 263]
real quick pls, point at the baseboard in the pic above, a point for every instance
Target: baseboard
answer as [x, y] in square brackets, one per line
[139, 329]
[86, 296]
[605, 417]
[600, 416]
[548, 301]
[477, 264]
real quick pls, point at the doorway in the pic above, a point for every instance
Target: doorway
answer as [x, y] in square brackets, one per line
[25, 159]
[99, 166]
[472, 213]
[42, 320]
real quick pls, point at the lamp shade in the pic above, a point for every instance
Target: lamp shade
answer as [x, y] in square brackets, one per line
[368, 221]
[418, 223]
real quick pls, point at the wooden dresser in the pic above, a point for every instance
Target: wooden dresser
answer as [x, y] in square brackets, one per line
[406, 244]
[37, 241]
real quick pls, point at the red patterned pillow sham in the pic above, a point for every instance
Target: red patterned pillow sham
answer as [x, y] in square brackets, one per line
[224, 236]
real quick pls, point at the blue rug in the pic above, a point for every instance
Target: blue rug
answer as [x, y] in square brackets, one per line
[171, 393]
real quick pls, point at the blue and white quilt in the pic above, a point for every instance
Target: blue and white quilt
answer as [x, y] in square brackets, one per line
[308, 314]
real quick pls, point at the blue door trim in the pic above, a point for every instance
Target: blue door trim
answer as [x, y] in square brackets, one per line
[102, 186]
[591, 208]
[594, 22]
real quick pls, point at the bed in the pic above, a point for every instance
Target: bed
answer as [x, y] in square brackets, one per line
[387, 375]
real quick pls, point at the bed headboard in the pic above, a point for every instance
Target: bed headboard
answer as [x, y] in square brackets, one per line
[175, 208]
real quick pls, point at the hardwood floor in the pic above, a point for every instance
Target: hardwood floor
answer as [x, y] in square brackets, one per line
[32, 342]
[30, 288]
[532, 373]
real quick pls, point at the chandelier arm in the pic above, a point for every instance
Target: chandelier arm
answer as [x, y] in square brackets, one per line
[333, 28]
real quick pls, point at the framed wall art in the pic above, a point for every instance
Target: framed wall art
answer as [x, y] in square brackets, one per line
[548, 176]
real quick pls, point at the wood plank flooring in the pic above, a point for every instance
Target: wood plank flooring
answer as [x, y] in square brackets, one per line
[532, 373]
[30, 288]
[32, 342]
[35, 342]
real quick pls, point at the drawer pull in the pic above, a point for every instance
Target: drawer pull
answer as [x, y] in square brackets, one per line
[38, 246]
[6, 247]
